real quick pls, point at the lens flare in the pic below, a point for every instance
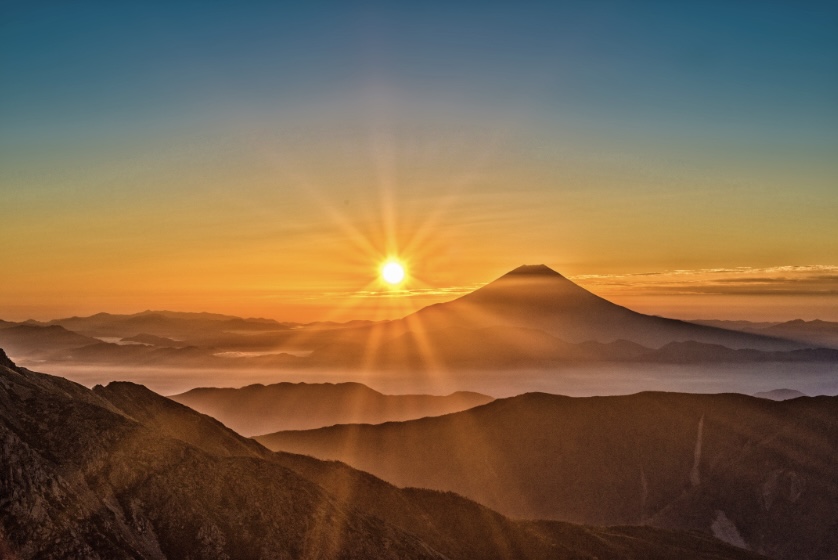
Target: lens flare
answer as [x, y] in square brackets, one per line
[392, 272]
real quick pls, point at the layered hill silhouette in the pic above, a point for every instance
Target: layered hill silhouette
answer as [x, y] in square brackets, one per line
[531, 317]
[170, 324]
[757, 473]
[40, 341]
[120, 472]
[780, 394]
[815, 333]
[259, 409]
[454, 348]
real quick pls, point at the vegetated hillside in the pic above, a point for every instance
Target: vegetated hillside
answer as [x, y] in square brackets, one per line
[260, 409]
[120, 472]
[755, 472]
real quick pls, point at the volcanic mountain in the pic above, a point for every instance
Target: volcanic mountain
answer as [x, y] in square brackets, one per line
[537, 297]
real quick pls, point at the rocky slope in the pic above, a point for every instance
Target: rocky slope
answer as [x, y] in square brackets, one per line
[120, 472]
[754, 472]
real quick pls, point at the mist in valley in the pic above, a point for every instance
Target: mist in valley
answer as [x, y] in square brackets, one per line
[577, 380]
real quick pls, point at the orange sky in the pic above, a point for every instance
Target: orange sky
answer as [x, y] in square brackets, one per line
[268, 173]
[294, 236]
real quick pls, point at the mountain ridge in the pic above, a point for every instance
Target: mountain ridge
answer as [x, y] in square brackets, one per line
[257, 409]
[121, 472]
[666, 459]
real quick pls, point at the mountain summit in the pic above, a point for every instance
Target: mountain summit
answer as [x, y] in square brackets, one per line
[532, 270]
[538, 297]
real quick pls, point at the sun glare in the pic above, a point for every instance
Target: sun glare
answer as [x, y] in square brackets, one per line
[392, 272]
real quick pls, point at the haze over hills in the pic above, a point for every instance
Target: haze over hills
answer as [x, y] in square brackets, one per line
[259, 409]
[780, 394]
[754, 472]
[39, 341]
[816, 332]
[171, 324]
[503, 339]
[120, 472]
[531, 317]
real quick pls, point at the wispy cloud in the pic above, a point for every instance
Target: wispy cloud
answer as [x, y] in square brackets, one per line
[790, 280]
[452, 291]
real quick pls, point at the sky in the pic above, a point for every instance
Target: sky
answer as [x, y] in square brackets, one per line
[264, 158]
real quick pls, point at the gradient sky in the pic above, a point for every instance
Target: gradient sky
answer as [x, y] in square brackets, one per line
[263, 158]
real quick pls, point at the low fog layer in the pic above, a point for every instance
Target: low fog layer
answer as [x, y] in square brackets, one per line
[530, 330]
[588, 380]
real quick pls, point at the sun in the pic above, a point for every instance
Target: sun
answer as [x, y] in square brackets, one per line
[392, 272]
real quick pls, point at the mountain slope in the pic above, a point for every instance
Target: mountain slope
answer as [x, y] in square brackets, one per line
[823, 334]
[535, 296]
[86, 481]
[121, 472]
[749, 470]
[780, 394]
[449, 523]
[164, 323]
[816, 332]
[260, 409]
[27, 341]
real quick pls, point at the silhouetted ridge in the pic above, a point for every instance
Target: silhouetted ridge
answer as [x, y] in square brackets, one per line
[744, 469]
[123, 473]
[5, 361]
[260, 409]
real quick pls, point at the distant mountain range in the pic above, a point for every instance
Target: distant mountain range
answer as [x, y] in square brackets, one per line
[780, 394]
[259, 409]
[531, 317]
[754, 472]
[122, 473]
[813, 333]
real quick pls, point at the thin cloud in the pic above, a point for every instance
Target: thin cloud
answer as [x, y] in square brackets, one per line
[788, 280]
